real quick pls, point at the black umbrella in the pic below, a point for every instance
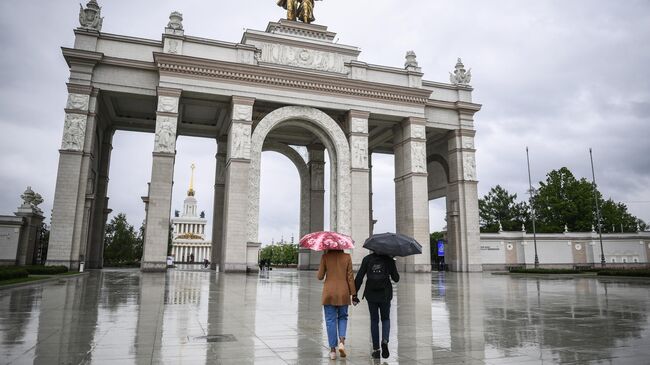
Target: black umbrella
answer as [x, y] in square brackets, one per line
[393, 244]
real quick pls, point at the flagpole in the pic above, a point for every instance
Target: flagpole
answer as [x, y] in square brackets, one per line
[598, 221]
[532, 209]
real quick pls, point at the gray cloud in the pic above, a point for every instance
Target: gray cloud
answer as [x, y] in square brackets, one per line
[556, 76]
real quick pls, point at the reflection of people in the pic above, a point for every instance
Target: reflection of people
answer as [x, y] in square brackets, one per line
[379, 269]
[191, 258]
[336, 268]
[206, 263]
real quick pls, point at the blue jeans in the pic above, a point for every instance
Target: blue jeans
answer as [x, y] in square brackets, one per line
[375, 308]
[336, 318]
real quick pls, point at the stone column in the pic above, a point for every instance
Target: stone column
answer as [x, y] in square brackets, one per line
[72, 177]
[235, 245]
[316, 166]
[411, 194]
[219, 190]
[462, 203]
[357, 131]
[154, 257]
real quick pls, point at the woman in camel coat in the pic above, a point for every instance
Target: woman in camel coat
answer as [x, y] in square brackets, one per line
[336, 269]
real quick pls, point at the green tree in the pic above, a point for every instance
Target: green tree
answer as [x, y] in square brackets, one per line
[434, 237]
[280, 254]
[120, 242]
[615, 215]
[564, 200]
[500, 206]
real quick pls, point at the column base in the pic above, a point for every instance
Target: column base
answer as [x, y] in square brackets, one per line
[234, 267]
[417, 268]
[153, 266]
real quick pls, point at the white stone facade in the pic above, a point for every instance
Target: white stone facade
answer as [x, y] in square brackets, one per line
[290, 85]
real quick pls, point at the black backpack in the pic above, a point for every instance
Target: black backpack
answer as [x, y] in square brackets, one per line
[377, 274]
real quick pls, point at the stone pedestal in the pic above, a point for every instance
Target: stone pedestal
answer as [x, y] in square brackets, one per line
[27, 245]
[154, 257]
[411, 195]
[236, 197]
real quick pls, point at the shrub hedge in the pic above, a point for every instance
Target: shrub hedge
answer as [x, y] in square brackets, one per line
[7, 273]
[621, 272]
[544, 271]
[46, 270]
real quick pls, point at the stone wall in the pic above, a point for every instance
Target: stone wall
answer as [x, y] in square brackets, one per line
[9, 237]
[559, 250]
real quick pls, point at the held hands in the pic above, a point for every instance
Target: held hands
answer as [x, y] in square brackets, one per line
[355, 300]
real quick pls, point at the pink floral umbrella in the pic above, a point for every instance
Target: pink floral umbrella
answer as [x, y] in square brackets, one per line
[319, 241]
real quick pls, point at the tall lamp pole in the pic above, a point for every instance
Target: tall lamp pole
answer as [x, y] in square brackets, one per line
[532, 209]
[600, 228]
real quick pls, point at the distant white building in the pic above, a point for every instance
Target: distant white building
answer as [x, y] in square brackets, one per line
[188, 240]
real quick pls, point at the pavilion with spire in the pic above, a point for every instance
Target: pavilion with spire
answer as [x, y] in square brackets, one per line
[189, 242]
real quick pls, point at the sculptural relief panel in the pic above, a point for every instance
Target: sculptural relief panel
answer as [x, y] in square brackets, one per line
[167, 104]
[469, 166]
[418, 157]
[359, 153]
[165, 135]
[302, 57]
[78, 101]
[74, 132]
[240, 141]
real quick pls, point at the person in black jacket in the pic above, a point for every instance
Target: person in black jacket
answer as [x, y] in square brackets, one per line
[379, 269]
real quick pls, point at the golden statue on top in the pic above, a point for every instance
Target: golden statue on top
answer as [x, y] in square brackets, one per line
[302, 10]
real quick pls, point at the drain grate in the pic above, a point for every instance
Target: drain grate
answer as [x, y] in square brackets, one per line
[216, 338]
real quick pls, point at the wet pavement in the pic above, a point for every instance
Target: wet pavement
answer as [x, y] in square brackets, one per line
[199, 317]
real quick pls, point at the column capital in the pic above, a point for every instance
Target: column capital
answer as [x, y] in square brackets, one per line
[242, 100]
[413, 120]
[167, 91]
[79, 89]
[361, 114]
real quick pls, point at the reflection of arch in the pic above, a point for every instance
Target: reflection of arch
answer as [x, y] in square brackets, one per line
[303, 172]
[331, 135]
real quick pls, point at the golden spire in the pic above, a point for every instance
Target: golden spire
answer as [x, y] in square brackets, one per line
[190, 191]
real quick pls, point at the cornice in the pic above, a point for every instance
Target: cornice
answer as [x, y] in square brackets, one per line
[124, 62]
[73, 55]
[128, 39]
[235, 72]
[461, 106]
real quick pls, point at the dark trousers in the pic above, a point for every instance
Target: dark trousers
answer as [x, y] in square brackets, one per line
[375, 309]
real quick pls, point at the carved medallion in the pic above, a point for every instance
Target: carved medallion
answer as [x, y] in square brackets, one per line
[78, 101]
[359, 125]
[417, 131]
[242, 112]
[167, 104]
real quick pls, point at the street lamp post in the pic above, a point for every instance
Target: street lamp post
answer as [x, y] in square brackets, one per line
[532, 209]
[598, 220]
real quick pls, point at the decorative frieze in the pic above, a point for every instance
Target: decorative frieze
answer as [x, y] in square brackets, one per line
[418, 157]
[165, 134]
[302, 57]
[359, 152]
[469, 166]
[74, 132]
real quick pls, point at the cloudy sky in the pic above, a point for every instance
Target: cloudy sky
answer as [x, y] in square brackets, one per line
[557, 76]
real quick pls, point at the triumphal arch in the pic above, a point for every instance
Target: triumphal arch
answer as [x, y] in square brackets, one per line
[289, 85]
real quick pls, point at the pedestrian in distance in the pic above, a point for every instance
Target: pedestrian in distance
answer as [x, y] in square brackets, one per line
[379, 270]
[336, 268]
